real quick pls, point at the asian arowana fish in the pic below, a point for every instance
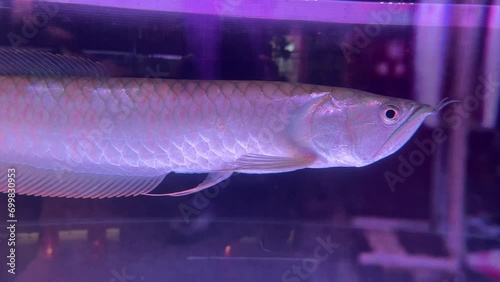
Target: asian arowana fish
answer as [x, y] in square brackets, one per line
[94, 137]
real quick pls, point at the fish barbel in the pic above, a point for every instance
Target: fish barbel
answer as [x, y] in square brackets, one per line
[97, 137]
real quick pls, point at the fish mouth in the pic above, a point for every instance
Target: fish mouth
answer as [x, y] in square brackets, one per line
[415, 118]
[421, 109]
[415, 114]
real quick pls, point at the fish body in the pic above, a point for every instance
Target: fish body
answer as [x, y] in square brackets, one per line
[129, 126]
[141, 128]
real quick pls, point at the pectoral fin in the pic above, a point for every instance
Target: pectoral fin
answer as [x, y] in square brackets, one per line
[212, 179]
[263, 163]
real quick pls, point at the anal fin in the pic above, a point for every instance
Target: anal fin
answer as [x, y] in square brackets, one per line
[212, 179]
[63, 183]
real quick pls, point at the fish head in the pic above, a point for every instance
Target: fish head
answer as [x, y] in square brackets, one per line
[382, 126]
[366, 127]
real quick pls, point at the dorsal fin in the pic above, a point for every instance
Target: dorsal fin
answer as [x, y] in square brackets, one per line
[36, 63]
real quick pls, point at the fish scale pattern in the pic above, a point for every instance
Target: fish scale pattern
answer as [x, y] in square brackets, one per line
[148, 127]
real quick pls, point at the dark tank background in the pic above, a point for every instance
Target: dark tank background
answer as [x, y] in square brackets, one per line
[390, 221]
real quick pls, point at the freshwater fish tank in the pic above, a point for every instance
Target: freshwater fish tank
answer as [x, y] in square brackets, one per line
[428, 212]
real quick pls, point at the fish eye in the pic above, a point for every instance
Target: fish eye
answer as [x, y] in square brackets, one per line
[390, 114]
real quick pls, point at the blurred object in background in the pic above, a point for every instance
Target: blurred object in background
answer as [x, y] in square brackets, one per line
[486, 263]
